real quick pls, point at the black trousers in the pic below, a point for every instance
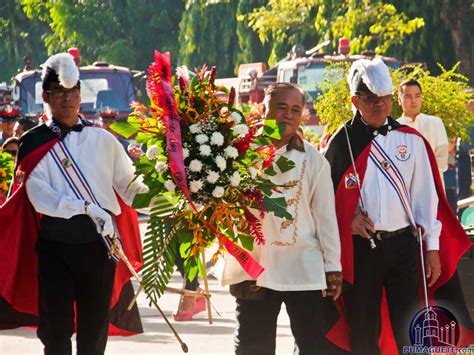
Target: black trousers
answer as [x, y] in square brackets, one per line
[68, 275]
[257, 322]
[393, 264]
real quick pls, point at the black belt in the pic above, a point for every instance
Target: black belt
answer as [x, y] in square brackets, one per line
[383, 235]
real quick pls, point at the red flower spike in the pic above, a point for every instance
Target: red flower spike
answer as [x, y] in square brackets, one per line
[255, 226]
[183, 85]
[232, 97]
[256, 198]
[201, 73]
[212, 76]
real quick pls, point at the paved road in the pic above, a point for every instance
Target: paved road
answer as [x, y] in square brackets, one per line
[200, 337]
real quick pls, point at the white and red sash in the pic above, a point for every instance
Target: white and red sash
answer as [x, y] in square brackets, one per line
[388, 168]
[76, 180]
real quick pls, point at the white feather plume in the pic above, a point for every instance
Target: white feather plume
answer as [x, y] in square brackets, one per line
[64, 65]
[375, 75]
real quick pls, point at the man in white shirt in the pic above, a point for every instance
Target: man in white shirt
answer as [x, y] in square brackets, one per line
[301, 256]
[81, 186]
[378, 213]
[410, 98]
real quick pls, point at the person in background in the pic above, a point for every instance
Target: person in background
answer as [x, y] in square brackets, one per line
[9, 118]
[22, 125]
[410, 98]
[11, 146]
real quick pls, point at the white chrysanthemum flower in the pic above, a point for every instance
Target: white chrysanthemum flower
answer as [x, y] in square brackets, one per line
[195, 128]
[231, 152]
[161, 167]
[221, 162]
[195, 165]
[217, 139]
[152, 152]
[235, 179]
[212, 176]
[253, 172]
[218, 192]
[195, 186]
[169, 185]
[202, 138]
[185, 153]
[205, 150]
[240, 129]
[236, 117]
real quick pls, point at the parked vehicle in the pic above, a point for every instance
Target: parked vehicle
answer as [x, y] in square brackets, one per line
[103, 86]
[303, 67]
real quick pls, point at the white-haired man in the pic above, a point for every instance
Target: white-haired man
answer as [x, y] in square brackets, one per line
[301, 256]
[73, 185]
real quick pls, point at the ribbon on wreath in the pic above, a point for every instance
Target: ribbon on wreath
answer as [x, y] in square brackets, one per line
[161, 90]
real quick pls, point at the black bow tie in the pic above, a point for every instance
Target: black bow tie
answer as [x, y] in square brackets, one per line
[62, 131]
[381, 130]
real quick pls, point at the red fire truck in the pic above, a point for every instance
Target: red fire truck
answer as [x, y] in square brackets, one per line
[303, 67]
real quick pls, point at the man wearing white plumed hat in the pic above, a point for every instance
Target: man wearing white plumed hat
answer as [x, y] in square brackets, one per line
[386, 184]
[71, 194]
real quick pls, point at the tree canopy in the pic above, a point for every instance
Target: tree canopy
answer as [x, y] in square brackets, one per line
[370, 24]
[231, 32]
[445, 95]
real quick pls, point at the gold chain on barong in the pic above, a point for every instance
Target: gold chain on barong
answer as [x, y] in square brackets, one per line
[294, 221]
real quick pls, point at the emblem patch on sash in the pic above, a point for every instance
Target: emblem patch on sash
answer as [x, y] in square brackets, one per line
[386, 165]
[65, 163]
[402, 153]
[19, 176]
[350, 181]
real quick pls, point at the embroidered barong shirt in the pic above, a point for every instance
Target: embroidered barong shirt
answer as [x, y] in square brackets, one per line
[297, 252]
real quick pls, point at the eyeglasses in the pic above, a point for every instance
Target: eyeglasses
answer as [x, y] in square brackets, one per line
[60, 93]
[372, 99]
[13, 152]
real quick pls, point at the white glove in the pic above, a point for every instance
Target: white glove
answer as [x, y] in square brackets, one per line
[102, 220]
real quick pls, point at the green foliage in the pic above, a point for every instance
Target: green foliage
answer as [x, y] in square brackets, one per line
[311, 137]
[6, 171]
[123, 32]
[208, 35]
[334, 103]
[251, 48]
[19, 37]
[370, 24]
[125, 129]
[373, 25]
[431, 44]
[159, 249]
[284, 24]
[445, 96]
